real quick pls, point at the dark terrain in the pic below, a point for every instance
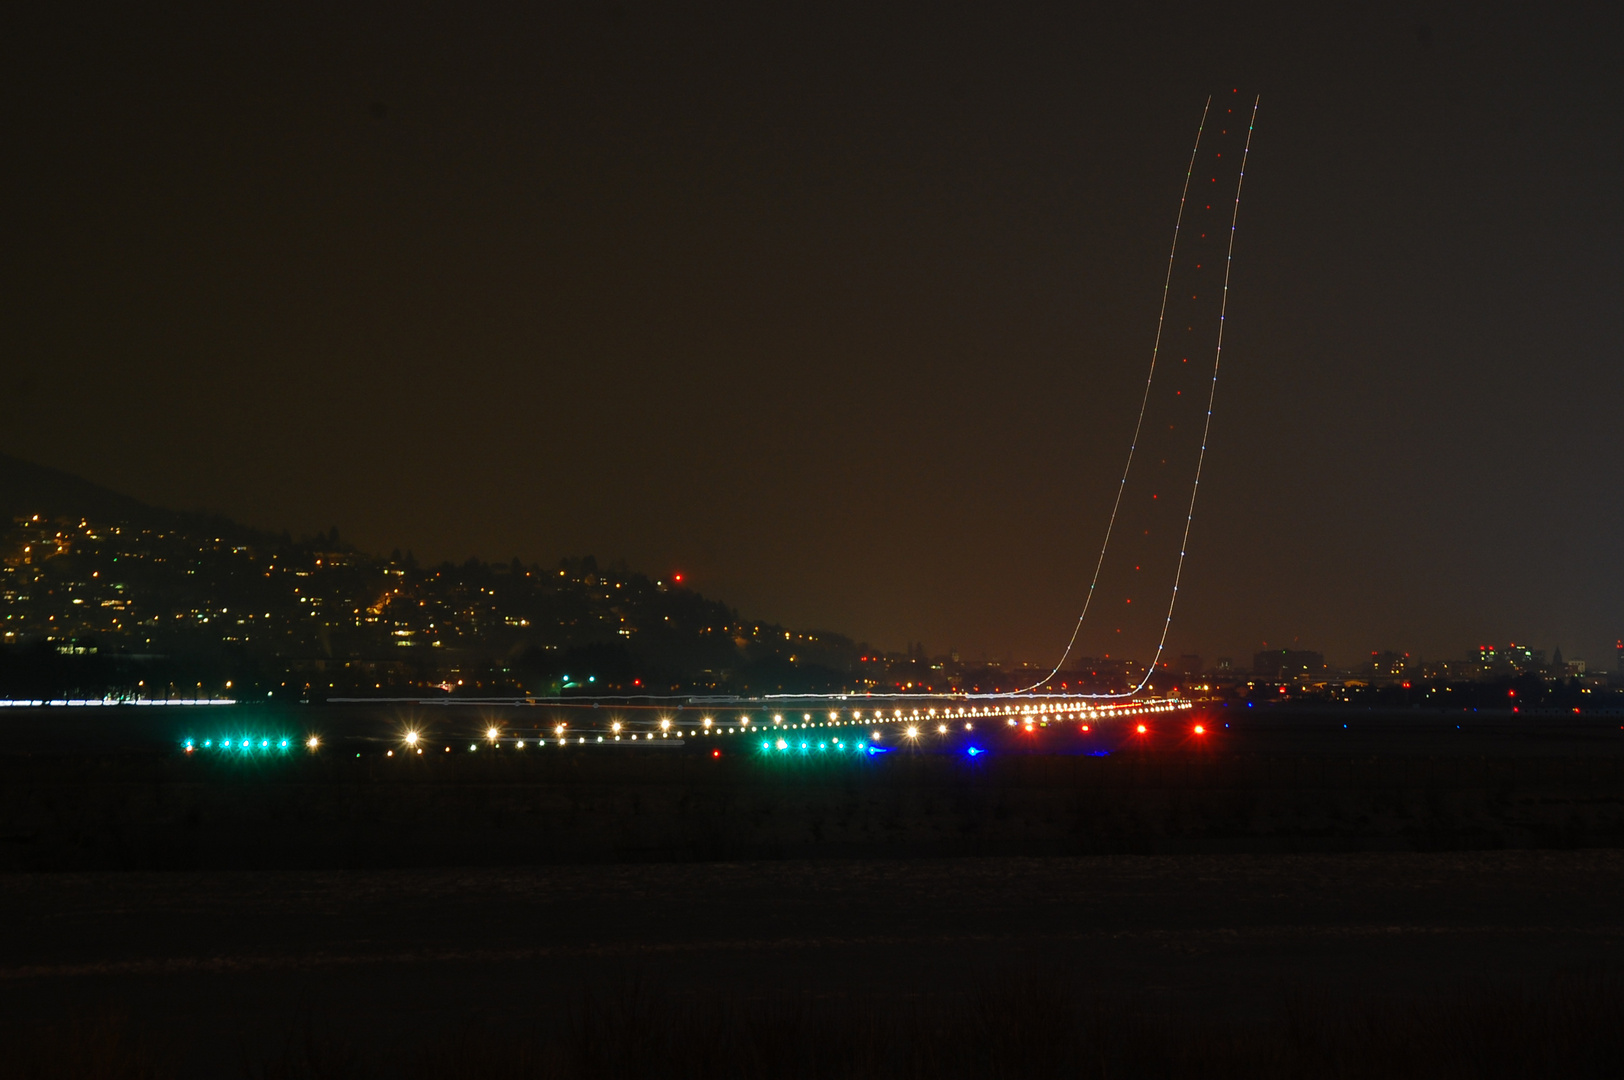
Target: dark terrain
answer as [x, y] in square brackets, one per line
[282, 915]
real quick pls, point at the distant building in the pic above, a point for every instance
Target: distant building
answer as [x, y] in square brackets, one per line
[1457, 670]
[1287, 663]
[1510, 659]
[1188, 666]
[1388, 664]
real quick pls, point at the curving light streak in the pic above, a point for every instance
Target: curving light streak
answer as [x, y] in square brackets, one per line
[1144, 404]
[1212, 392]
[1212, 395]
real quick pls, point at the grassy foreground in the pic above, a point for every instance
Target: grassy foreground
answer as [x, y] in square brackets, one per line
[1028, 1027]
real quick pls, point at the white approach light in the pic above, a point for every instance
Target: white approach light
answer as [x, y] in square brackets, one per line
[411, 738]
[615, 727]
[913, 732]
[665, 724]
[493, 734]
[312, 742]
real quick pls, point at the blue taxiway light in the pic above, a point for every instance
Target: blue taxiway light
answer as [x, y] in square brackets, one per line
[974, 750]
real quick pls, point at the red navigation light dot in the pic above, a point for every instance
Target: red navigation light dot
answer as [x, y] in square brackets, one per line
[716, 753]
[677, 578]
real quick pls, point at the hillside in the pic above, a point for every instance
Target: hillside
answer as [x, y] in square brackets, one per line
[100, 592]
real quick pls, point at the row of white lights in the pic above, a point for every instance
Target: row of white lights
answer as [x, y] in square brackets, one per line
[24, 703]
[618, 730]
[709, 727]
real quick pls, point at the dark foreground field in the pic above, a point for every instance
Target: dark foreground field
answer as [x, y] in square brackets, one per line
[1276, 784]
[1376, 964]
[1302, 900]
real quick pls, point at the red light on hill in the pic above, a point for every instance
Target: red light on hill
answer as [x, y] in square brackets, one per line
[677, 578]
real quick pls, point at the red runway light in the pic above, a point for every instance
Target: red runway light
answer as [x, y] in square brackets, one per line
[1141, 729]
[1199, 730]
[716, 753]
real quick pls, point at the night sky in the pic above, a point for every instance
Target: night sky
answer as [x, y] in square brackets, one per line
[842, 310]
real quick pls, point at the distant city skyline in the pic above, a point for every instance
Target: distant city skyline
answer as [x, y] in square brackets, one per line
[134, 598]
